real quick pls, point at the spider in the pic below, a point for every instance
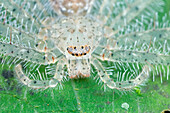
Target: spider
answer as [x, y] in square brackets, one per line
[84, 33]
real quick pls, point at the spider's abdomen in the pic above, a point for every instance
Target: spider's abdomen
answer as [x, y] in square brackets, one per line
[71, 7]
[77, 36]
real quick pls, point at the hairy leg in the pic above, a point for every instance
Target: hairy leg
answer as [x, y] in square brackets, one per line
[121, 85]
[37, 84]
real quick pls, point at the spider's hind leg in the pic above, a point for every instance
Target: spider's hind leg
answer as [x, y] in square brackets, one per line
[122, 85]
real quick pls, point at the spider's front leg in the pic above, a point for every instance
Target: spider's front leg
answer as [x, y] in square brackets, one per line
[27, 81]
[120, 85]
[37, 84]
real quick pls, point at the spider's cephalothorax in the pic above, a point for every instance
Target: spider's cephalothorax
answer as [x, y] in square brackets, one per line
[77, 37]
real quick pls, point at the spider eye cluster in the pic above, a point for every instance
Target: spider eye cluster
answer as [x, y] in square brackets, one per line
[78, 50]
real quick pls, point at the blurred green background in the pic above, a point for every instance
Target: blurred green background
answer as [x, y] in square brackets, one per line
[83, 95]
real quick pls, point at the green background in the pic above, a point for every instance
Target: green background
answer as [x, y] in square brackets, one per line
[83, 95]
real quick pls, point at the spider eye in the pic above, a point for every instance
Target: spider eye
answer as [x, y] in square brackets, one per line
[75, 47]
[86, 48]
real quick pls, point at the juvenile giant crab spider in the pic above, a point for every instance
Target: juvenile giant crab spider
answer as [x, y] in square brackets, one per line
[78, 39]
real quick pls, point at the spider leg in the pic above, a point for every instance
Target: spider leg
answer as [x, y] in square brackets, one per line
[106, 10]
[37, 84]
[131, 56]
[130, 11]
[44, 43]
[102, 73]
[123, 85]
[59, 74]
[48, 22]
[90, 5]
[130, 84]
[47, 46]
[135, 47]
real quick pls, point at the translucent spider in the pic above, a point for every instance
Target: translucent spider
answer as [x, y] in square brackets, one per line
[80, 34]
